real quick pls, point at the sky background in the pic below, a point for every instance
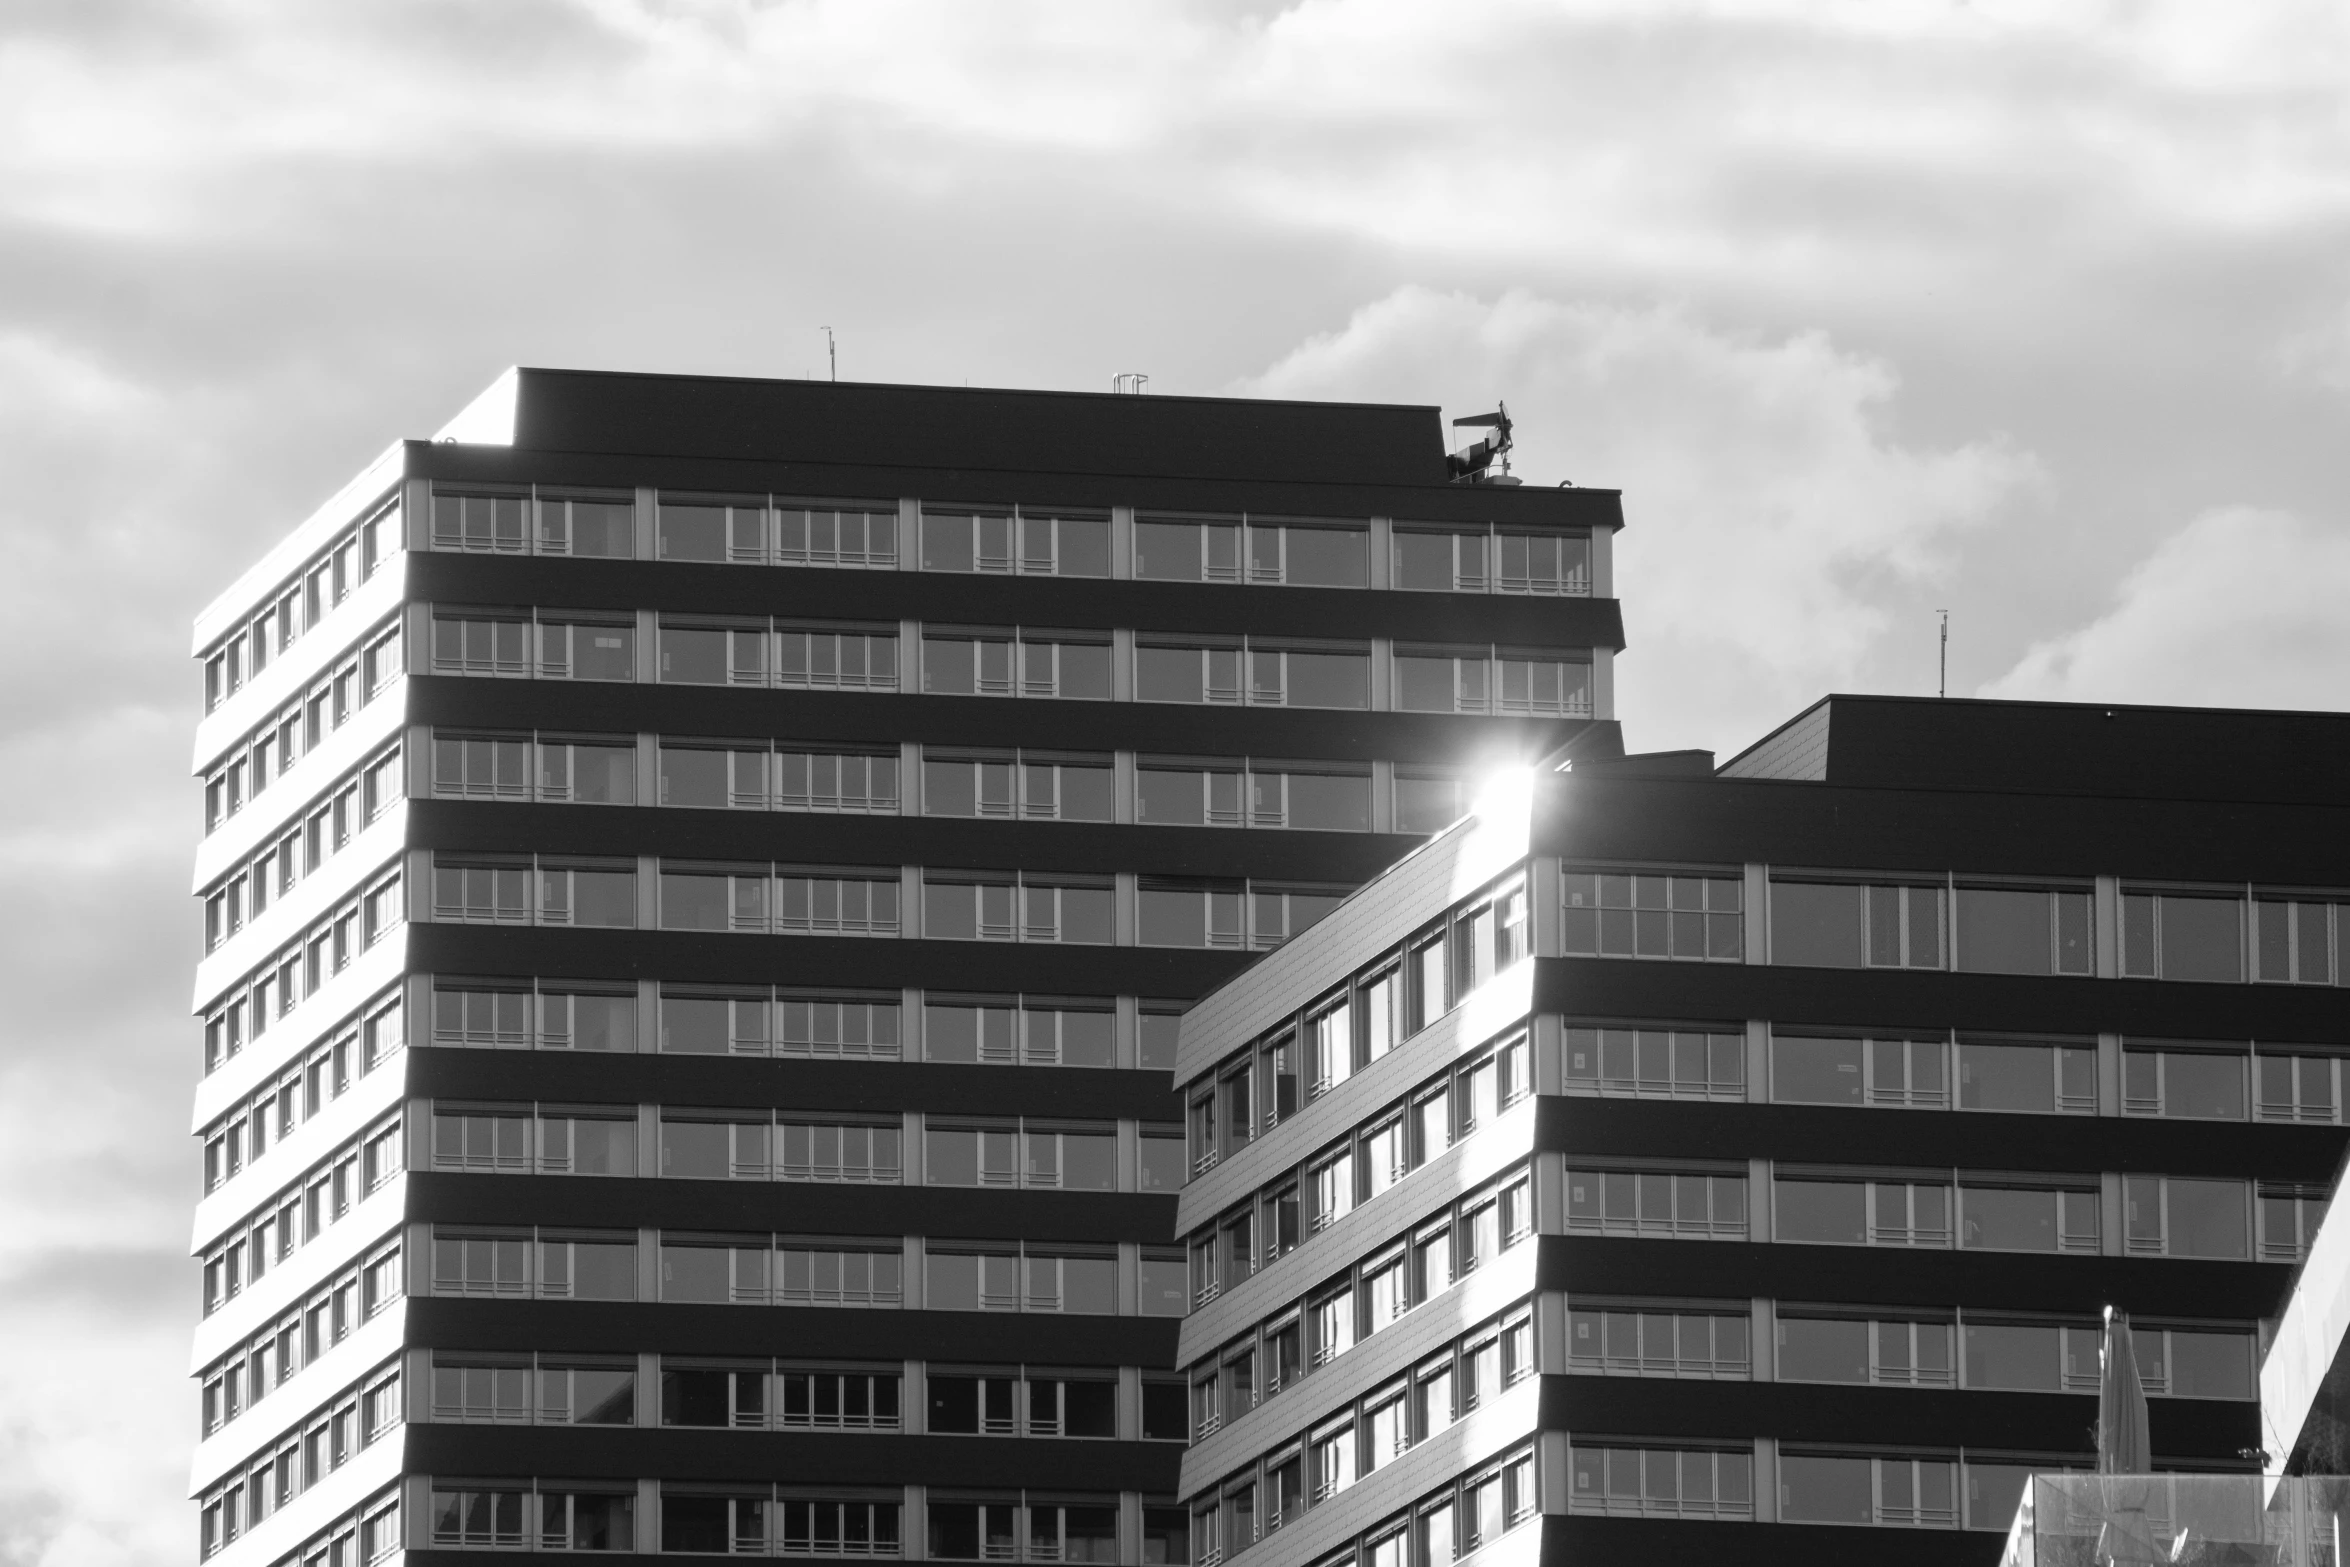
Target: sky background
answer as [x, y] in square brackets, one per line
[2036, 312]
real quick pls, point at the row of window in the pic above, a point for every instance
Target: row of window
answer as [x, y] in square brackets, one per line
[1372, 1431]
[310, 1327]
[364, 1536]
[1074, 786]
[1378, 1426]
[303, 966]
[1862, 1346]
[759, 1020]
[2162, 1215]
[520, 644]
[300, 1213]
[266, 1116]
[791, 900]
[246, 890]
[1011, 540]
[766, 1395]
[739, 1145]
[334, 1436]
[2224, 934]
[324, 582]
[279, 742]
[1383, 1003]
[1940, 1491]
[758, 1270]
[1317, 1326]
[1376, 1155]
[1466, 1514]
[741, 1519]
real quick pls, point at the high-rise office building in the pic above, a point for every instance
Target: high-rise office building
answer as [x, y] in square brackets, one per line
[1672, 1165]
[699, 877]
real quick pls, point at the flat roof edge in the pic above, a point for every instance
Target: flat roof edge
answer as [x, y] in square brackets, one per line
[357, 494]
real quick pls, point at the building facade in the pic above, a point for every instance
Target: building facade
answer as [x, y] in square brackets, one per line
[699, 879]
[1678, 1165]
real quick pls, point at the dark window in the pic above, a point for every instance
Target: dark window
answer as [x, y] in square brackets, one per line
[1315, 679]
[1817, 924]
[2031, 1079]
[1157, 1033]
[2003, 931]
[1825, 1490]
[971, 1404]
[1816, 1071]
[1316, 801]
[1428, 802]
[2171, 936]
[1996, 1218]
[1172, 551]
[2293, 942]
[1820, 1349]
[2031, 1357]
[1164, 1414]
[1166, 1537]
[1833, 1212]
[2183, 1085]
[2205, 1365]
[1842, 925]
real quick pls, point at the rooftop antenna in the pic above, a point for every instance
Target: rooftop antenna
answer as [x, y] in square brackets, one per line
[1129, 382]
[831, 351]
[1473, 465]
[1944, 692]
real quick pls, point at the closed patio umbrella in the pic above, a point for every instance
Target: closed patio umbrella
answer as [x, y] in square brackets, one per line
[2125, 1446]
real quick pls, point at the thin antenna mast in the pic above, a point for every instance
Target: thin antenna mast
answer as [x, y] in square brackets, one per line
[831, 352]
[1945, 686]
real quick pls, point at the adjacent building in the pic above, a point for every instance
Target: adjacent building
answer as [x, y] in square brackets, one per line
[1672, 1163]
[699, 881]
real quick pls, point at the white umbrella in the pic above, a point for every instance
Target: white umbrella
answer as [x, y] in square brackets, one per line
[2125, 1446]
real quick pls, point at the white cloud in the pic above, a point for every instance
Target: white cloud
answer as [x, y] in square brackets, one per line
[2240, 608]
[1767, 506]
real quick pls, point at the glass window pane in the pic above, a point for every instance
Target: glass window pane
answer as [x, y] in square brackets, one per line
[1329, 680]
[1825, 1490]
[1170, 674]
[2211, 1365]
[2022, 1358]
[2203, 1087]
[693, 656]
[2202, 938]
[1831, 1212]
[1816, 1071]
[1329, 557]
[2003, 932]
[1167, 551]
[2007, 1077]
[1823, 1350]
[1329, 804]
[2206, 1219]
[1423, 561]
[2000, 1220]
[1816, 924]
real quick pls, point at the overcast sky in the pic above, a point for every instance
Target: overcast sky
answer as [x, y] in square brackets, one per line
[2039, 313]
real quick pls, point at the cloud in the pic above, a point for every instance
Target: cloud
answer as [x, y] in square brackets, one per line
[1769, 507]
[2240, 608]
[117, 1283]
[32, 1510]
[245, 242]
